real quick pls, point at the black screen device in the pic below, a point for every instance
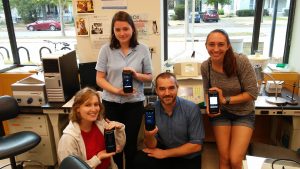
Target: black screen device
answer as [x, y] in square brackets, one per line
[213, 101]
[149, 118]
[127, 81]
[87, 74]
[110, 143]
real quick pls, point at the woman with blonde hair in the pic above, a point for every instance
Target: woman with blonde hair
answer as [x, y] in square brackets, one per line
[84, 135]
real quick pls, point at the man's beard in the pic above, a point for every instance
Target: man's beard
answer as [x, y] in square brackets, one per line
[170, 101]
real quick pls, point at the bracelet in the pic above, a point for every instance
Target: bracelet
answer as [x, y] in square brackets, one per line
[227, 99]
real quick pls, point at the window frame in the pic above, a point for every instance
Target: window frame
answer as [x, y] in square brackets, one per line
[259, 7]
[11, 36]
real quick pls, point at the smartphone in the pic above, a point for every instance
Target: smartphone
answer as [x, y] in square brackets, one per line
[149, 118]
[110, 143]
[127, 81]
[213, 101]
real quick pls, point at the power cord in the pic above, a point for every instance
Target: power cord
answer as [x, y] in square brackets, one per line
[282, 159]
[5, 166]
[33, 161]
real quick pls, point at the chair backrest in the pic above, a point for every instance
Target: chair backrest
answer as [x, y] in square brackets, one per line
[9, 108]
[73, 162]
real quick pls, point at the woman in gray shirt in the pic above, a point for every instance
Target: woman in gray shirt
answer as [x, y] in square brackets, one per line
[233, 77]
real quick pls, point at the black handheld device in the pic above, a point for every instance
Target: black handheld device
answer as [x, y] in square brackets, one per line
[127, 81]
[150, 118]
[213, 101]
[110, 143]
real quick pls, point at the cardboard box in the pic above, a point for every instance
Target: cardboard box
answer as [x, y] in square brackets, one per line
[187, 69]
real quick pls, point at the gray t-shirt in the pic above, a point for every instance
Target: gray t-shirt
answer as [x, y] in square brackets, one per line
[112, 62]
[232, 86]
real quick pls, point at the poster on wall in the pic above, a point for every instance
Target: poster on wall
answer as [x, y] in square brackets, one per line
[84, 6]
[141, 24]
[114, 4]
[99, 30]
[82, 25]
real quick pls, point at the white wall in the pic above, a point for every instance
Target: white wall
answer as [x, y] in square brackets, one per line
[294, 58]
[150, 10]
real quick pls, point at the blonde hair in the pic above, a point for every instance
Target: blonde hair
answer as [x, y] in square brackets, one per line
[80, 97]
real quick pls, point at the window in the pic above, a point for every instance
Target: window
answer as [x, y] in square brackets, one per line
[37, 29]
[237, 18]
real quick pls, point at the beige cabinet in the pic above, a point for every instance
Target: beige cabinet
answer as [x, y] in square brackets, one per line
[45, 152]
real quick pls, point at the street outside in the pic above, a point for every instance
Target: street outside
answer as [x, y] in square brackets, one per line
[181, 46]
[179, 42]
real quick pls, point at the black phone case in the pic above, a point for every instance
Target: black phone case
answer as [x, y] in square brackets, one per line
[127, 82]
[213, 108]
[150, 119]
[110, 143]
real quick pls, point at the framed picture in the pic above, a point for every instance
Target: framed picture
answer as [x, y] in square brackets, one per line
[85, 6]
[96, 28]
[81, 26]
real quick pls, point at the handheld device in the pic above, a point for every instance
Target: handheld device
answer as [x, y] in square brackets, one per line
[213, 101]
[127, 81]
[110, 143]
[149, 118]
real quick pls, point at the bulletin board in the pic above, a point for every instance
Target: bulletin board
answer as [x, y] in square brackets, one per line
[93, 26]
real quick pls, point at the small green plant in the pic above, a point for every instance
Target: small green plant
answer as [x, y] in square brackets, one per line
[221, 11]
[179, 11]
[249, 12]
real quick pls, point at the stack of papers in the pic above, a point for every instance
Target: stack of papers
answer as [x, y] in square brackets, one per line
[280, 67]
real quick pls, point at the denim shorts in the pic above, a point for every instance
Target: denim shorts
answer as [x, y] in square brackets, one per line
[229, 119]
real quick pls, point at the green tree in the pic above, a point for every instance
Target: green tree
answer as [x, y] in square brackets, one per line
[217, 2]
[179, 11]
[62, 5]
[30, 10]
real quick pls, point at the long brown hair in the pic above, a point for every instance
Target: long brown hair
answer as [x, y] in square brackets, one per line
[80, 98]
[123, 16]
[229, 62]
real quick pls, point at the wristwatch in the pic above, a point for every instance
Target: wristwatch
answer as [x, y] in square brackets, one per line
[227, 99]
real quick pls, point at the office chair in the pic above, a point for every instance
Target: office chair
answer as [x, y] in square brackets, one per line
[16, 143]
[73, 162]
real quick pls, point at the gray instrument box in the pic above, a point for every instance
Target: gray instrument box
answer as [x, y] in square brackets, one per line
[30, 91]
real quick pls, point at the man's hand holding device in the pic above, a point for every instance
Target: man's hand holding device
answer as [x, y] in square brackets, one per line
[149, 118]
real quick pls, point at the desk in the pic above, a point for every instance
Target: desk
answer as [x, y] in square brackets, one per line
[287, 123]
[266, 121]
[272, 123]
[253, 162]
[58, 116]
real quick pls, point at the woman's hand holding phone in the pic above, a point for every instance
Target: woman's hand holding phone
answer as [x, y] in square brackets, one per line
[214, 104]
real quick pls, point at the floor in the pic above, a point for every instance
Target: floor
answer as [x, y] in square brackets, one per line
[209, 158]
[27, 165]
[210, 155]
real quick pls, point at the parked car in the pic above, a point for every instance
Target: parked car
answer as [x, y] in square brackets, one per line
[197, 17]
[44, 25]
[210, 15]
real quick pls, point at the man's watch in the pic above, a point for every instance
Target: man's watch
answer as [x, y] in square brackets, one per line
[227, 99]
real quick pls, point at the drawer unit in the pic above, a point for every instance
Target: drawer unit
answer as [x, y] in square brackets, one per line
[35, 123]
[45, 151]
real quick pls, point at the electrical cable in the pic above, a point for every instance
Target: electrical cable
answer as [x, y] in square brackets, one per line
[5, 166]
